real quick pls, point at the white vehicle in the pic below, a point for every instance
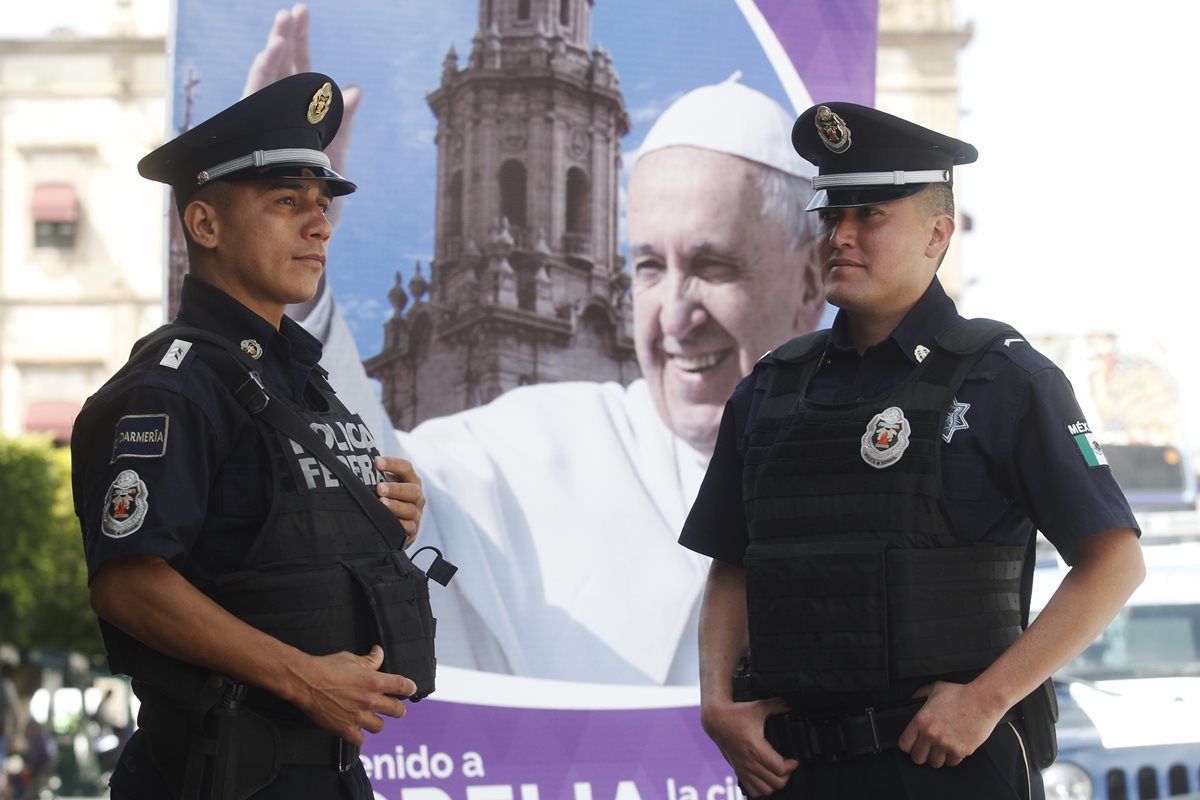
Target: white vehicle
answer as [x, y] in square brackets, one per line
[1129, 721]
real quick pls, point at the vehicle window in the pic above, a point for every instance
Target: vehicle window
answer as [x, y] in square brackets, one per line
[1143, 641]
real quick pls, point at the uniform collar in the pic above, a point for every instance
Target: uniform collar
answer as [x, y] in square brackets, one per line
[205, 306]
[931, 315]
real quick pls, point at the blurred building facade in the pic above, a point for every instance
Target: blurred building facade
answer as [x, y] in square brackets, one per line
[82, 86]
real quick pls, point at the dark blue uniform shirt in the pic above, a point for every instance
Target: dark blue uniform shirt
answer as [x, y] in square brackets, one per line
[1014, 461]
[189, 449]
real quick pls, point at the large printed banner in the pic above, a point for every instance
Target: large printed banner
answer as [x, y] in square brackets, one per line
[486, 272]
[524, 739]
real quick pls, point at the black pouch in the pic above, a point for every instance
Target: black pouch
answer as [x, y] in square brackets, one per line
[1038, 713]
[818, 617]
[247, 753]
[397, 593]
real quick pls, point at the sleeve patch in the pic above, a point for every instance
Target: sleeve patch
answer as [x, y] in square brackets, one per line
[1081, 433]
[125, 506]
[141, 436]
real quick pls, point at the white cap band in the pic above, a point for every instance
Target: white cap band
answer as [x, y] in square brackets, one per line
[894, 178]
[265, 158]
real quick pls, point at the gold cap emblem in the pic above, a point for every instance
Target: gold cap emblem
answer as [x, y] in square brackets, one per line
[832, 130]
[320, 103]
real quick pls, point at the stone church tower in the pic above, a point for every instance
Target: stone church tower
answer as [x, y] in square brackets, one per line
[526, 284]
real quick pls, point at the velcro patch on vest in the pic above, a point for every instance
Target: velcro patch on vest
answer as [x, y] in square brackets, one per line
[140, 436]
[1081, 433]
[351, 443]
[886, 438]
[126, 505]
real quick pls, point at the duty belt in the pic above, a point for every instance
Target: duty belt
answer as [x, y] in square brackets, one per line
[842, 736]
[317, 748]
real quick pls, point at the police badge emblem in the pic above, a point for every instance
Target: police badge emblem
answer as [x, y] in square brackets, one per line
[251, 348]
[126, 505]
[956, 420]
[320, 103]
[886, 438]
[832, 130]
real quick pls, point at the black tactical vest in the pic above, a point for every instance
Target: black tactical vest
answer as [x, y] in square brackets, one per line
[858, 591]
[322, 575]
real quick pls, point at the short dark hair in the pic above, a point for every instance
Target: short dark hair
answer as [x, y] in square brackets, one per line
[938, 198]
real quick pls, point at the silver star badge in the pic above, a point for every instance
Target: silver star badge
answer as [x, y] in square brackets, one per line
[956, 420]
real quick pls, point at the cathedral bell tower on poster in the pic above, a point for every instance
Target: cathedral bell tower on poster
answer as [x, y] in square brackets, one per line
[526, 284]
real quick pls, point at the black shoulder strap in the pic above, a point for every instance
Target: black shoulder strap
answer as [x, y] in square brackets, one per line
[801, 347]
[968, 336]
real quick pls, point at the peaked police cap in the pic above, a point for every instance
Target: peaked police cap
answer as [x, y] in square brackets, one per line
[865, 156]
[280, 131]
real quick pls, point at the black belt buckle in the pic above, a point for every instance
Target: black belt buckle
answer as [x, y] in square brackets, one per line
[345, 754]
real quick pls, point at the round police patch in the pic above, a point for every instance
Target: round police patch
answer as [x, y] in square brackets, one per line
[886, 438]
[125, 506]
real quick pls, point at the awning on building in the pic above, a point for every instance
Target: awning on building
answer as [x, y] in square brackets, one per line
[53, 417]
[55, 202]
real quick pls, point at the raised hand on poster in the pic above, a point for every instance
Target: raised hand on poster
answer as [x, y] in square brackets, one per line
[286, 53]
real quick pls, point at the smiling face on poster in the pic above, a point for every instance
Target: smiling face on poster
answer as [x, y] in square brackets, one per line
[511, 227]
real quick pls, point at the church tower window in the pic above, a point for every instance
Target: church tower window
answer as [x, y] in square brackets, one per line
[512, 193]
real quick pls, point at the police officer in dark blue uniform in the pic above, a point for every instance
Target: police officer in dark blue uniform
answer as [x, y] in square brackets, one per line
[870, 504]
[238, 560]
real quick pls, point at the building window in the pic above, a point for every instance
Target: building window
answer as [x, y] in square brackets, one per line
[512, 192]
[564, 12]
[55, 215]
[523, 9]
[454, 206]
[578, 202]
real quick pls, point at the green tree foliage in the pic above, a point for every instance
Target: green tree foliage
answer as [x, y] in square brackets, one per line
[43, 579]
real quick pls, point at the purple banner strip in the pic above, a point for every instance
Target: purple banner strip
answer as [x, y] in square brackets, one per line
[460, 751]
[832, 44]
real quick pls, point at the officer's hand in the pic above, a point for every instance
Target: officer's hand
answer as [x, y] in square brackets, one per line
[402, 493]
[737, 730]
[286, 53]
[951, 725]
[345, 693]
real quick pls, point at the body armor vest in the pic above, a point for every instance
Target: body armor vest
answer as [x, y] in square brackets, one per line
[327, 572]
[857, 589]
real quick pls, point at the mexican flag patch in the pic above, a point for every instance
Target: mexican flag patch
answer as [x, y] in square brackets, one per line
[1081, 433]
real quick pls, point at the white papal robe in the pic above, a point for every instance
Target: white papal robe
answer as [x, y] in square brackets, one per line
[561, 504]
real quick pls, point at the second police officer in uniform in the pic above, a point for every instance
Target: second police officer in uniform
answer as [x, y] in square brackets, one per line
[246, 574]
[870, 507]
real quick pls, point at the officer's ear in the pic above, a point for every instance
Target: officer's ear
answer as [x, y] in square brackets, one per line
[200, 220]
[202, 215]
[939, 236]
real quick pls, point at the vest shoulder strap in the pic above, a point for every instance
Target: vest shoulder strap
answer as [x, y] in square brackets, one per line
[802, 347]
[972, 335]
